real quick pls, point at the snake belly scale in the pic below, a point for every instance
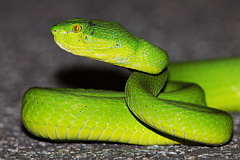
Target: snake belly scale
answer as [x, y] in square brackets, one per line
[155, 109]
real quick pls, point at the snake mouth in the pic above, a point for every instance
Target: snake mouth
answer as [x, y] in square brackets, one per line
[84, 51]
[60, 44]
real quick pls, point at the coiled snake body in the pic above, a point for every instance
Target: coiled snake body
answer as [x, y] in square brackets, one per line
[155, 108]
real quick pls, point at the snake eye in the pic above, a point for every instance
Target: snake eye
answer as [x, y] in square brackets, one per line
[76, 28]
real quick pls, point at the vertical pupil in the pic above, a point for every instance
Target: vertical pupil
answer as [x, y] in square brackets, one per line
[76, 28]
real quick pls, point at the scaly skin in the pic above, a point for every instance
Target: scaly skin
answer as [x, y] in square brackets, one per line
[218, 77]
[176, 115]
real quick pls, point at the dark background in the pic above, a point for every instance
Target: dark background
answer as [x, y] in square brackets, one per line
[187, 30]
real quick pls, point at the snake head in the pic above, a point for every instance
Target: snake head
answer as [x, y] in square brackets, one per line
[110, 42]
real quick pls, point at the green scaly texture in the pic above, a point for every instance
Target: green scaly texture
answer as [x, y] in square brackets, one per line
[154, 109]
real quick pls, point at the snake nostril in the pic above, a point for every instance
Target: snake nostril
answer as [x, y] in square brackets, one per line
[54, 30]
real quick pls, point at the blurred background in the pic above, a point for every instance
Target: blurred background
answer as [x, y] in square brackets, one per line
[187, 30]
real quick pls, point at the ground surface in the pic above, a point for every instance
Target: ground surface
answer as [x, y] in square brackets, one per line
[188, 30]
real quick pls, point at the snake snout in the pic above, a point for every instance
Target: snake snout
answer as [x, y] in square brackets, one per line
[54, 30]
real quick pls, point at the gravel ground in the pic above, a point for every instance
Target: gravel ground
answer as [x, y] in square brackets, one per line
[188, 30]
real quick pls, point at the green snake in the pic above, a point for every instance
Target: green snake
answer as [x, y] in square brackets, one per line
[155, 109]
